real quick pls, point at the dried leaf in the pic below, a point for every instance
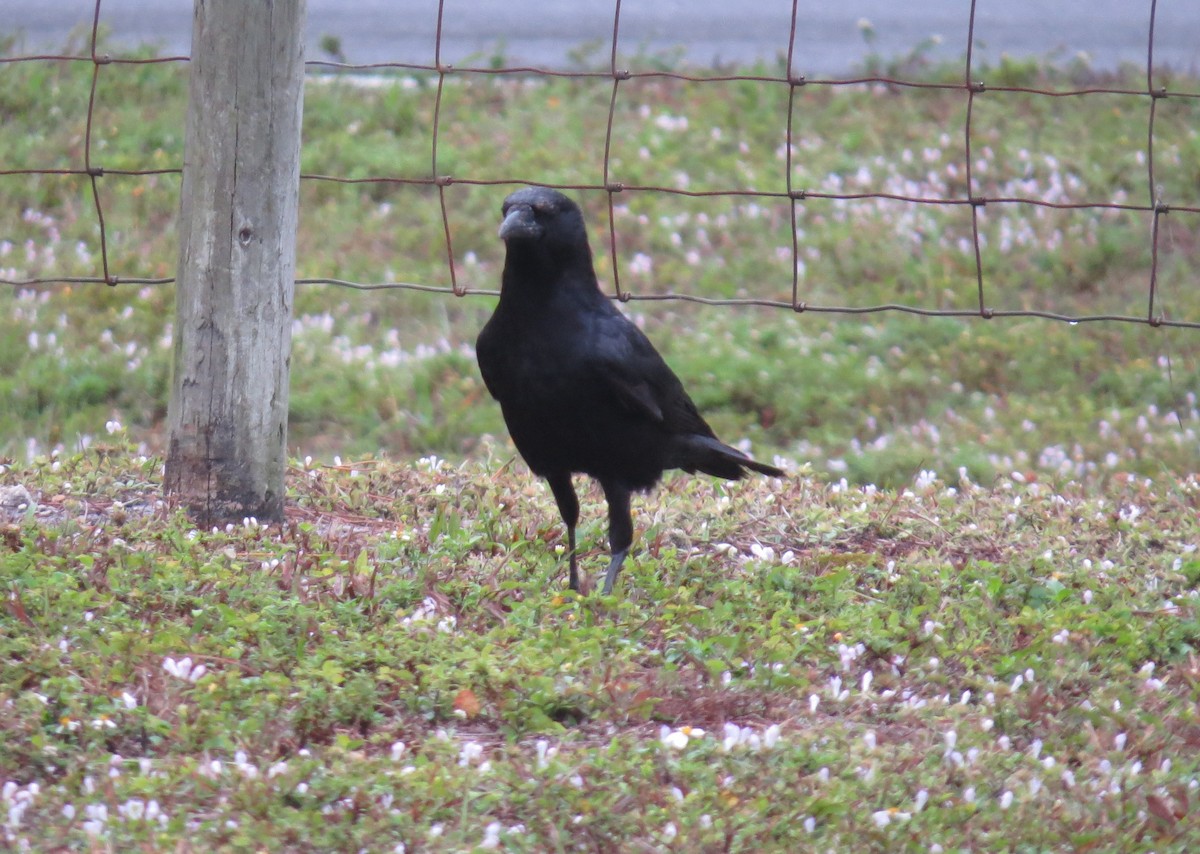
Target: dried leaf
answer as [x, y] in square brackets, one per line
[467, 703]
[17, 608]
[1160, 809]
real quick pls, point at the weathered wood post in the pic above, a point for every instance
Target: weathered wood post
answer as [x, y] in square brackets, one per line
[228, 412]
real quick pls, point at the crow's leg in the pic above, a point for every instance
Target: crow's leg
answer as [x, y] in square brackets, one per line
[568, 507]
[620, 529]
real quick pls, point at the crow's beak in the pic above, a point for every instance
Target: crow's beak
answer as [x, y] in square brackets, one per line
[520, 223]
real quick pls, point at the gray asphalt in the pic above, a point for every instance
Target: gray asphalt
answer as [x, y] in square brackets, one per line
[547, 32]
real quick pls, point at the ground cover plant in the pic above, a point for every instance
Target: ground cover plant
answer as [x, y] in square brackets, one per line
[965, 620]
[788, 665]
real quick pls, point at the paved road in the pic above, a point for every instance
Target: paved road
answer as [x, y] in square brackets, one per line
[545, 31]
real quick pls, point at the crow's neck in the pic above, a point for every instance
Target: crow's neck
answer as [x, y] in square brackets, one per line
[534, 274]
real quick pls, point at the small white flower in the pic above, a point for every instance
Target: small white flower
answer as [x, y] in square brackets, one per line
[544, 753]
[133, 809]
[771, 736]
[641, 264]
[677, 739]
[469, 753]
[1006, 800]
[491, 836]
[183, 668]
[883, 818]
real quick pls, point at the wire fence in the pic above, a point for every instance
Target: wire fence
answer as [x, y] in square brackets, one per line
[1154, 208]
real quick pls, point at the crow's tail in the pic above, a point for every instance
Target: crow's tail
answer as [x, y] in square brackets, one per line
[695, 452]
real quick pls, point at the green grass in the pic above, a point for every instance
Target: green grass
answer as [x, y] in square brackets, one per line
[786, 666]
[874, 399]
[967, 619]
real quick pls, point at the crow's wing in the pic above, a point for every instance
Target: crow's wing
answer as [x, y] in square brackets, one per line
[624, 361]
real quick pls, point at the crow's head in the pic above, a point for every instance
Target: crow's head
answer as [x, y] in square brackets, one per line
[540, 216]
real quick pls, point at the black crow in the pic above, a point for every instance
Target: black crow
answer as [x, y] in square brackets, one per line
[581, 388]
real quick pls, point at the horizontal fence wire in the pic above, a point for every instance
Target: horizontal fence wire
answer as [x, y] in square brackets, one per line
[971, 87]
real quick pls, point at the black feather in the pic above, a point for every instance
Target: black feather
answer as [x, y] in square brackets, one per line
[581, 388]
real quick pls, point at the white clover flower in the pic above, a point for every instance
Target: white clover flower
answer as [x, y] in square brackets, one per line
[544, 753]
[425, 611]
[766, 554]
[677, 739]
[642, 264]
[469, 753]
[883, 818]
[184, 669]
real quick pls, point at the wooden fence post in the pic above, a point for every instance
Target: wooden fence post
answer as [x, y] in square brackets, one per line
[227, 449]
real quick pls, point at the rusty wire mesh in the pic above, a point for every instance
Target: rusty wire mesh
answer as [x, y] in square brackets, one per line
[972, 88]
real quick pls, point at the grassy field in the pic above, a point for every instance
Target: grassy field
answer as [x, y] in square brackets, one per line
[875, 399]
[786, 666]
[965, 621]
